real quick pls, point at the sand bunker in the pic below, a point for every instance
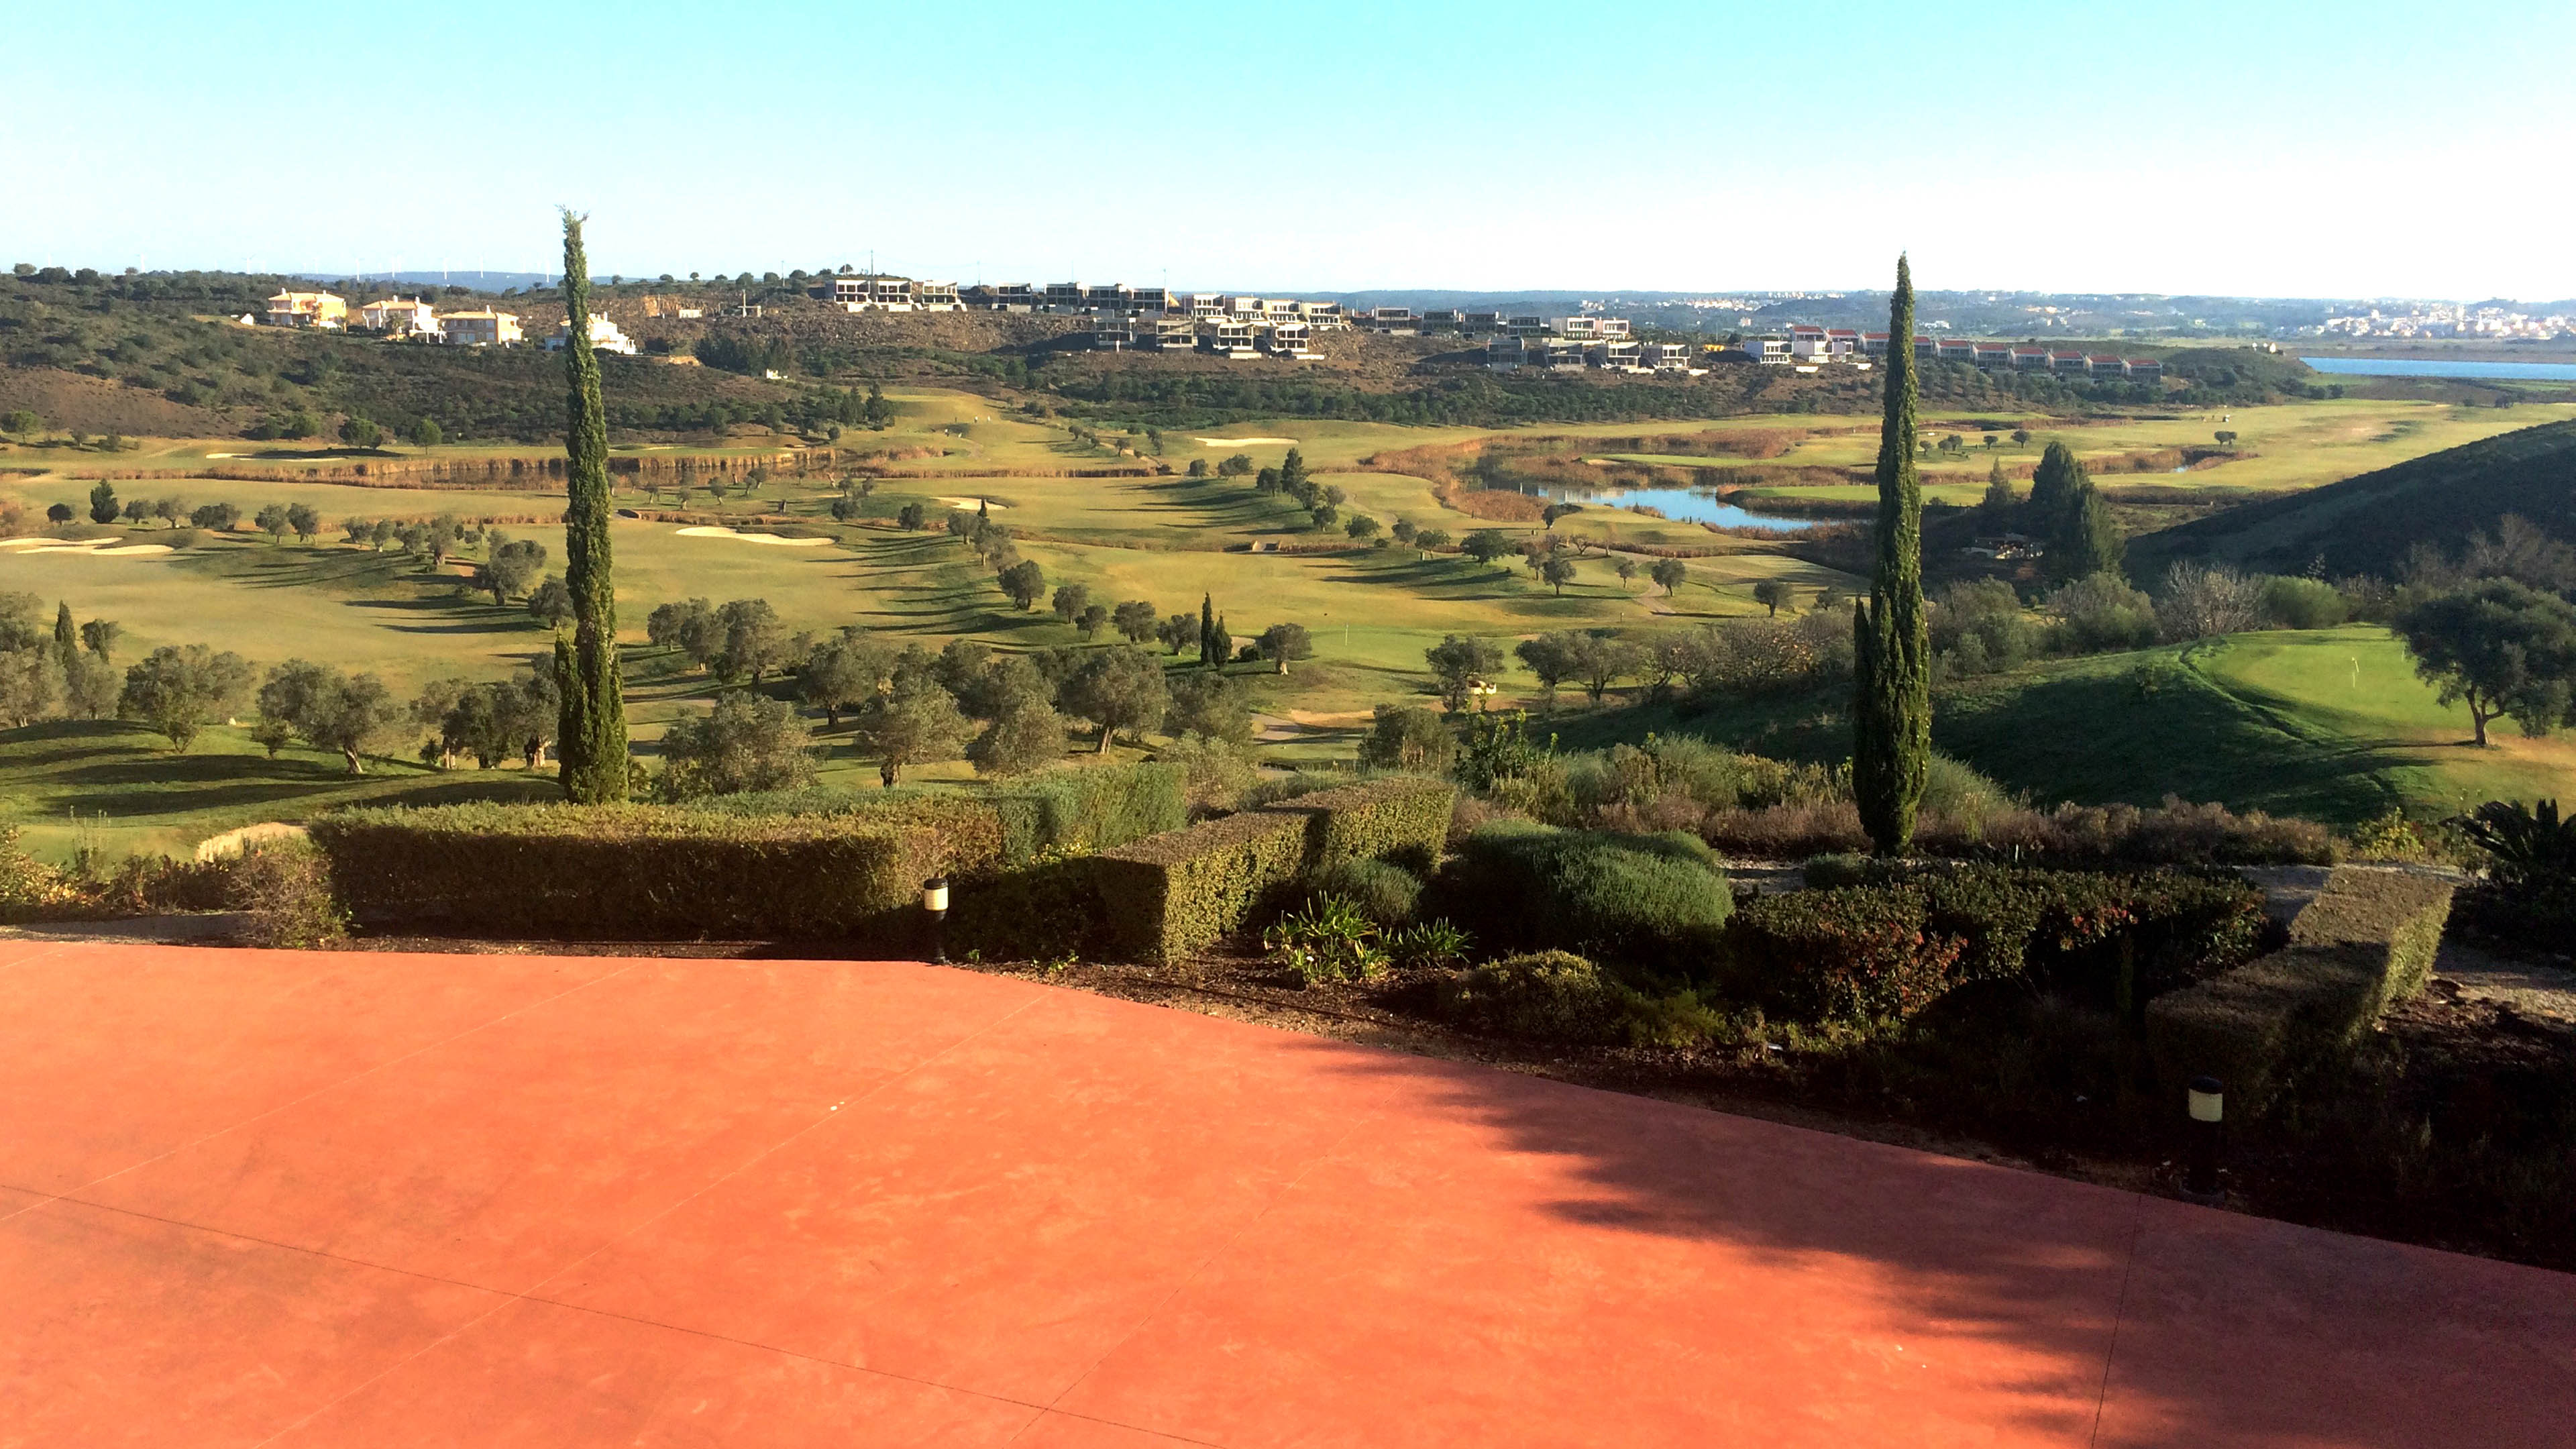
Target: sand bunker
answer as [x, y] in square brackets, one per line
[1245, 442]
[704, 530]
[977, 503]
[87, 547]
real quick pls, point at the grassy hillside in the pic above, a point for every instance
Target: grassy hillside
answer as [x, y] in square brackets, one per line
[2331, 724]
[2366, 524]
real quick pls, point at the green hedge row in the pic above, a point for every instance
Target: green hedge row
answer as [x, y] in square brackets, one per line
[1896, 939]
[627, 871]
[1399, 818]
[2367, 941]
[1183, 892]
[1173, 894]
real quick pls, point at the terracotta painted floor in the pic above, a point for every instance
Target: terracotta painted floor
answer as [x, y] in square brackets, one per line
[254, 1198]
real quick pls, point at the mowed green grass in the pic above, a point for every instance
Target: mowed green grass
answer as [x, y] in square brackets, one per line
[119, 789]
[2330, 724]
[2293, 445]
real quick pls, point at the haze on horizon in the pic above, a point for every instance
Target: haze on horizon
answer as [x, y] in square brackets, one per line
[2186, 149]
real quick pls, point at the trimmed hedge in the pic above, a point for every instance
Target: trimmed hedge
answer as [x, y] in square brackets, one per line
[1890, 940]
[1092, 808]
[1173, 894]
[1543, 996]
[2367, 941]
[1400, 818]
[627, 871]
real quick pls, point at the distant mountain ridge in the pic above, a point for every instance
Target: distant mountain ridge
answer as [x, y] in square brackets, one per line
[2367, 524]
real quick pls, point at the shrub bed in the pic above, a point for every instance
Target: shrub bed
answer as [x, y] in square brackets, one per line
[2366, 941]
[1172, 894]
[627, 871]
[1855, 954]
[1655, 901]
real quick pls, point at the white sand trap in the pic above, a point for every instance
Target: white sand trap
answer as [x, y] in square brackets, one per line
[54, 545]
[1245, 442]
[223, 455]
[977, 502]
[706, 530]
[132, 549]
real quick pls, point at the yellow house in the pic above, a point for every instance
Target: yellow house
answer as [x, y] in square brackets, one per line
[484, 328]
[308, 309]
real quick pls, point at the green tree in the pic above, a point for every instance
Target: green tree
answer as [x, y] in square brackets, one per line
[1671, 573]
[1136, 619]
[1431, 540]
[550, 602]
[511, 567]
[1211, 706]
[66, 635]
[99, 637]
[274, 521]
[20, 420]
[2052, 485]
[2021, 437]
[1292, 473]
[305, 520]
[102, 503]
[328, 709]
[2087, 539]
[1558, 571]
[1625, 567]
[747, 743]
[1211, 653]
[1119, 688]
[912, 517]
[1997, 505]
[1403, 738]
[362, 432]
[915, 722]
[1179, 633]
[1551, 657]
[1070, 600]
[591, 739]
[840, 675]
[1281, 643]
[1360, 525]
[1772, 593]
[755, 641]
[1025, 734]
[1892, 650]
[179, 691]
[1460, 663]
[1093, 619]
[2500, 647]
[1024, 582]
[214, 517]
[1485, 545]
[425, 433]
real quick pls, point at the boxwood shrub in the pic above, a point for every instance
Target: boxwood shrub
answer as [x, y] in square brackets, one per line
[628, 871]
[2366, 941]
[1172, 894]
[1659, 902]
[1853, 954]
[1401, 818]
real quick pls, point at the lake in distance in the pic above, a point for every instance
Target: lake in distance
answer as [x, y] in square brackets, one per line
[2422, 367]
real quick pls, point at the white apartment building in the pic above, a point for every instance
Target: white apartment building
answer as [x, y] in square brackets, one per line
[400, 317]
[605, 336]
[308, 309]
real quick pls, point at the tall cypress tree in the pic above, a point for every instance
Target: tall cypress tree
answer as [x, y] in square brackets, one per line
[1892, 698]
[1207, 628]
[66, 638]
[592, 736]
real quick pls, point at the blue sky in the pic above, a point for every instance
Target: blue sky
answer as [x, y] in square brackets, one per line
[2355, 149]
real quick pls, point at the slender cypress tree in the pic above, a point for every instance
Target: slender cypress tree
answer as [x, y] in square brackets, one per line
[1892, 703]
[592, 736]
[66, 638]
[1207, 628]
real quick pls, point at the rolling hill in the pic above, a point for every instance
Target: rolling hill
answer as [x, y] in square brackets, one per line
[2367, 523]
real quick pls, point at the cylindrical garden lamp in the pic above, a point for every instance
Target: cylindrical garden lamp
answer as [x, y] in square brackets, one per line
[2207, 1102]
[934, 905]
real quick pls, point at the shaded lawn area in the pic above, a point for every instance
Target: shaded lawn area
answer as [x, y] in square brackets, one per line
[120, 789]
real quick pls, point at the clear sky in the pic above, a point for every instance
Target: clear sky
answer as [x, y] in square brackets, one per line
[2346, 149]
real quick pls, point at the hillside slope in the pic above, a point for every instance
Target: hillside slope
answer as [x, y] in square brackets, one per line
[2367, 524]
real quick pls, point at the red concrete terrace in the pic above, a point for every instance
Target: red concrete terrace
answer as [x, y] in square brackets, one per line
[253, 1198]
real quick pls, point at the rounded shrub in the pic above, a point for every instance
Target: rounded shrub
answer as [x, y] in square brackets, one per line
[1653, 900]
[2295, 603]
[1384, 892]
[1540, 996]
